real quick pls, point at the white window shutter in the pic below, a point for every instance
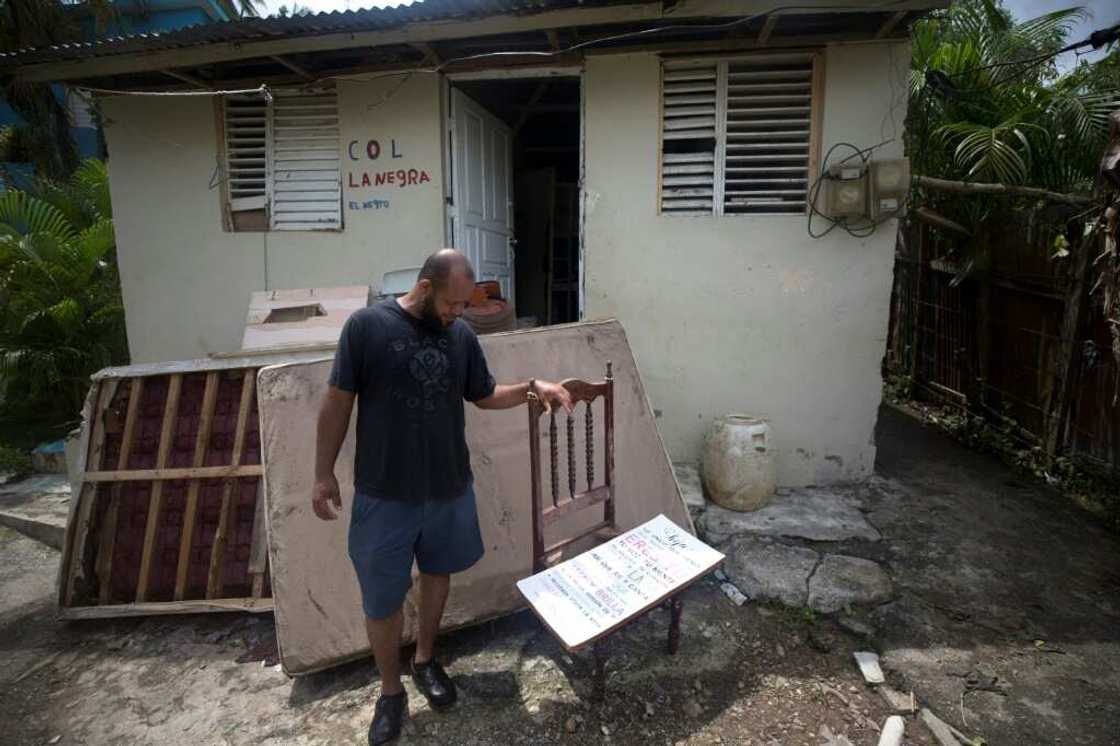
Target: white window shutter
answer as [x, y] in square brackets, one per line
[769, 112]
[689, 122]
[246, 125]
[306, 174]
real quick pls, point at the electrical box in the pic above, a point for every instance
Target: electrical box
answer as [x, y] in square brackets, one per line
[890, 183]
[846, 193]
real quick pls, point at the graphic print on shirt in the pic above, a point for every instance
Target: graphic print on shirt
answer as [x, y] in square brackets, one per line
[430, 370]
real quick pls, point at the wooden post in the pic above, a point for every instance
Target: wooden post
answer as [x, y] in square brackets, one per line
[190, 513]
[608, 506]
[916, 342]
[155, 505]
[535, 472]
[1061, 399]
[227, 518]
[109, 527]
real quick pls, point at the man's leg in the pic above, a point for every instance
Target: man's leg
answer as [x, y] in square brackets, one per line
[433, 597]
[385, 639]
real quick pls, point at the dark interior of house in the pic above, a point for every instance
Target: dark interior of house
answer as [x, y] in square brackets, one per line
[544, 116]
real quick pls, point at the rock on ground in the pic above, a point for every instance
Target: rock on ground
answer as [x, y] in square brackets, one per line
[848, 581]
[766, 569]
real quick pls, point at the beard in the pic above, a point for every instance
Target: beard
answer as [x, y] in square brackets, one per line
[429, 316]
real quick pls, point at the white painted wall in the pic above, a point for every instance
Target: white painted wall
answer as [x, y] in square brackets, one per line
[186, 282]
[732, 314]
[745, 313]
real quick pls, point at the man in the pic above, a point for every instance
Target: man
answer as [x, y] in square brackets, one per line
[411, 362]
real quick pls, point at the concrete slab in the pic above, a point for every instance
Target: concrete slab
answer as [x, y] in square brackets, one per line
[37, 507]
[817, 514]
[688, 478]
[768, 570]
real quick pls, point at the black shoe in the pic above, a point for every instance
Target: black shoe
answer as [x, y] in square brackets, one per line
[387, 717]
[434, 683]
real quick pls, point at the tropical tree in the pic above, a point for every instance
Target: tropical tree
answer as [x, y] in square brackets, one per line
[44, 139]
[62, 318]
[987, 102]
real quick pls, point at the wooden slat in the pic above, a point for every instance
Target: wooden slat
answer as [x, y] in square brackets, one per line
[256, 605]
[194, 472]
[227, 517]
[87, 497]
[579, 502]
[155, 504]
[258, 550]
[109, 528]
[573, 539]
[190, 513]
[78, 534]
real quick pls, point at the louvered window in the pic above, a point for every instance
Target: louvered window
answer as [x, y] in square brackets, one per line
[737, 135]
[282, 161]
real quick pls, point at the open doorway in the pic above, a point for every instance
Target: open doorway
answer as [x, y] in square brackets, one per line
[535, 123]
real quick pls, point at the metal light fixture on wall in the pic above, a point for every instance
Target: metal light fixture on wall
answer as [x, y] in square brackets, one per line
[890, 182]
[846, 193]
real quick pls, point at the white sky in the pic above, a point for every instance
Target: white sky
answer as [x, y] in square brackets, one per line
[1104, 13]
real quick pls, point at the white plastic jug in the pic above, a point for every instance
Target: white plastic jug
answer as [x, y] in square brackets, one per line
[738, 463]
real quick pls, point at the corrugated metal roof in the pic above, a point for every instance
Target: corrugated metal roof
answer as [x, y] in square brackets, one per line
[257, 29]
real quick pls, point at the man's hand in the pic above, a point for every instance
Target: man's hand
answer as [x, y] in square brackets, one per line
[553, 394]
[325, 499]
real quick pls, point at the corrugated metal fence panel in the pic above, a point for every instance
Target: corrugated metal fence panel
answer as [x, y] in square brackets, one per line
[306, 173]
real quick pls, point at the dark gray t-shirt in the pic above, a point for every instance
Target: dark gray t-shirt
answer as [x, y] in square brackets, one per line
[411, 381]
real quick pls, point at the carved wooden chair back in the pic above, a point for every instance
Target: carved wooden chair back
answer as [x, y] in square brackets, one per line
[585, 398]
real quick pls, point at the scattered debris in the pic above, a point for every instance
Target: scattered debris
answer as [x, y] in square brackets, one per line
[833, 740]
[898, 701]
[732, 592]
[869, 667]
[939, 729]
[573, 723]
[856, 626]
[893, 731]
[54, 740]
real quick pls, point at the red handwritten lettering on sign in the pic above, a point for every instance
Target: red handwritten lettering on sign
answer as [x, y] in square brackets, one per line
[399, 178]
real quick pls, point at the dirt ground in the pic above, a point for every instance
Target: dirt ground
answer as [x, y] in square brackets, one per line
[1008, 614]
[1001, 586]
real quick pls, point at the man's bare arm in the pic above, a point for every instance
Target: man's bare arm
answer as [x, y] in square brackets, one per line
[509, 395]
[334, 419]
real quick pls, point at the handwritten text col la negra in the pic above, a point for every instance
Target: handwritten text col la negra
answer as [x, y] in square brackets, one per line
[371, 150]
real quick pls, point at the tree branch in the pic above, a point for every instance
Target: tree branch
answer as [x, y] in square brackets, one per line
[966, 187]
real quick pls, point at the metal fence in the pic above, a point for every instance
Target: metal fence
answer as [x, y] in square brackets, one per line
[991, 342]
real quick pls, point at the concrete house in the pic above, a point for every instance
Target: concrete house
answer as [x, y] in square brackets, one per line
[650, 161]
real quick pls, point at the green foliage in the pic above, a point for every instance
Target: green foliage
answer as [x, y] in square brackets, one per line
[988, 104]
[62, 316]
[14, 462]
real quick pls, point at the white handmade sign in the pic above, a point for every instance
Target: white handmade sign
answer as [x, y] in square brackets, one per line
[593, 594]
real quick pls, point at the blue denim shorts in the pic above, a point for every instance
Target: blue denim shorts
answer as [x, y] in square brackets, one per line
[386, 535]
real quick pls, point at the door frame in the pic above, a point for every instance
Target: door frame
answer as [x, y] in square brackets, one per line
[449, 147]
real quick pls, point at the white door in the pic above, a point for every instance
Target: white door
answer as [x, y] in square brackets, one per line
[481, 178]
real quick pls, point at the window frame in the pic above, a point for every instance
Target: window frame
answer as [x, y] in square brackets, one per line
[271, 156]
[722, 63]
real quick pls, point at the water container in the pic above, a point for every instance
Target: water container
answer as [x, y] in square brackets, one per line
[738, 463]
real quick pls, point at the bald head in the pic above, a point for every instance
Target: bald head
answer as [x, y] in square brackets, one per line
[439, 267]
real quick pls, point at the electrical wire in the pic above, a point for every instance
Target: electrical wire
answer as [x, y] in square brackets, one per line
[866, 227]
